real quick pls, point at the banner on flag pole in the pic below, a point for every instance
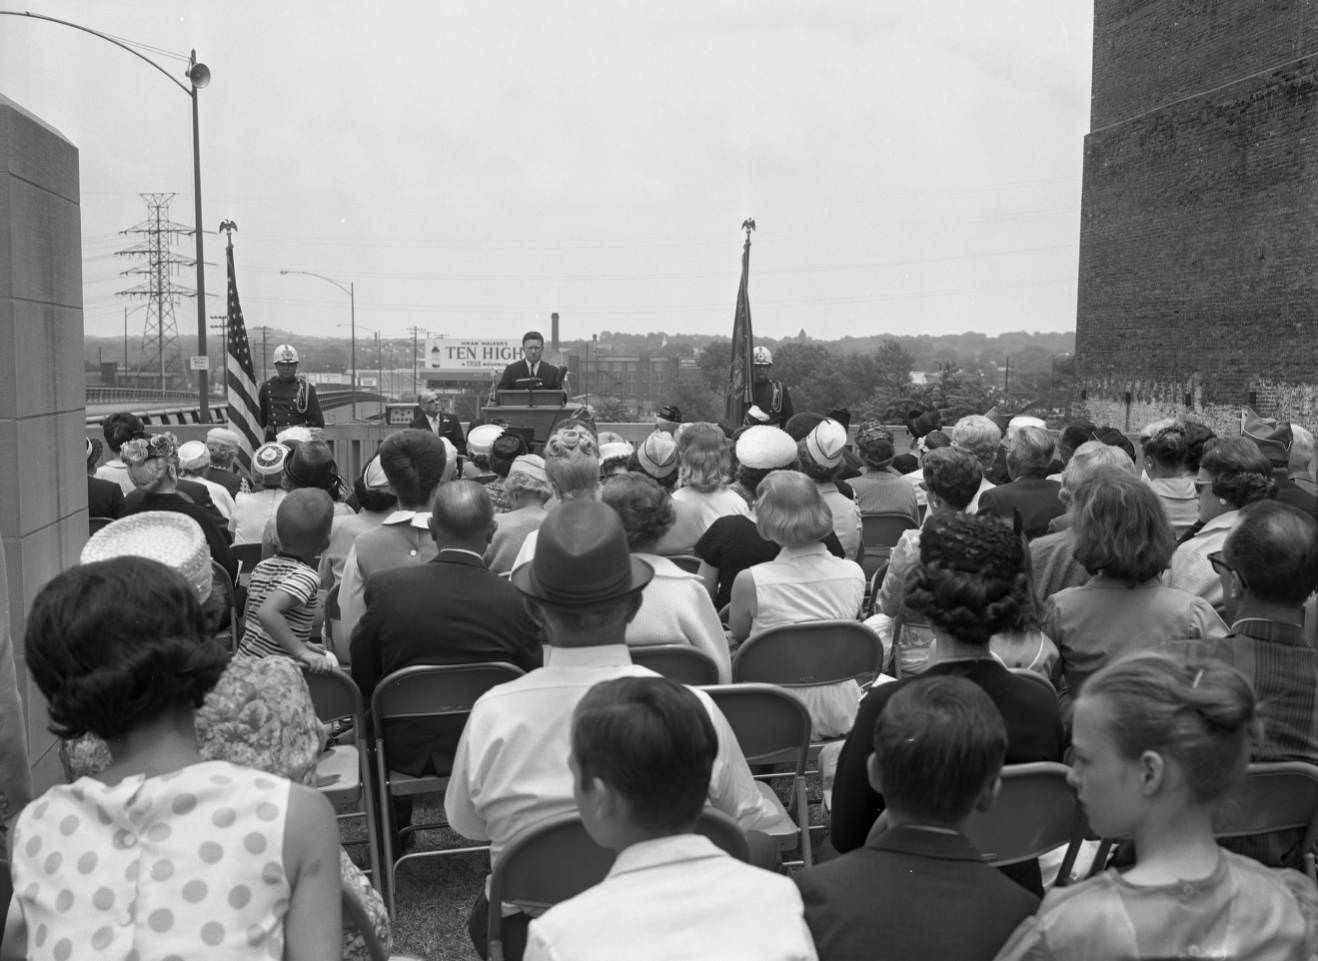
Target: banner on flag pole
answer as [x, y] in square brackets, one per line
[741, 386]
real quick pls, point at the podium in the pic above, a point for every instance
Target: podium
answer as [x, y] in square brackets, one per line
[541, 421]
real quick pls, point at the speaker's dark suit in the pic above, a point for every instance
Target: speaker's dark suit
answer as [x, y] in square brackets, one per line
[451, 610]
[551, 377]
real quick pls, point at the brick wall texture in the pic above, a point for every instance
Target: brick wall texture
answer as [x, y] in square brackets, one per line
[1198, 287]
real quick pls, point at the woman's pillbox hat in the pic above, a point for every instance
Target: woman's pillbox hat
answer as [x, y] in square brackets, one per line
[222, 435]
[616, 449]
[373, 478]
[297, 434]
[826, 443]
[268, 461]
[173, 539]
[875, 443]
[765, 448]
[194, 455]
[482, 438]
[532, 465]
[657, 454]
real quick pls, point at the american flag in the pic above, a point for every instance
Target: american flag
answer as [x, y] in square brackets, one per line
[240, 376]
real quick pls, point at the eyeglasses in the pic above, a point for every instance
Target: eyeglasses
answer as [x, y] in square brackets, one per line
[1220, 566]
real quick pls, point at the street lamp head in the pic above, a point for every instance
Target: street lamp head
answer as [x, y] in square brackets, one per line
[199, 74]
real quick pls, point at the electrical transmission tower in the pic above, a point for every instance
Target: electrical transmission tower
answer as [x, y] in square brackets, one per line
[160, 345]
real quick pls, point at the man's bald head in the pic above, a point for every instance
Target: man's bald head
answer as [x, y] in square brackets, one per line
[462, 513]
[1274, 551]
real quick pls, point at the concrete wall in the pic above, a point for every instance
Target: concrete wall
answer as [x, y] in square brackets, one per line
[1199, 228]
[43, 490]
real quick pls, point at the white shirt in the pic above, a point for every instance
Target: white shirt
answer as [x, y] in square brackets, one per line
[352, 588]
[117, 471]
[676, 609]
[220, 496]
[510, 770]
[710, 507]
[1190, 570]
[677, 897]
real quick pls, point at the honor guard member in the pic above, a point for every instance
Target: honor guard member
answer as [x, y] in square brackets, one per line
[773, 404]
[287, 400]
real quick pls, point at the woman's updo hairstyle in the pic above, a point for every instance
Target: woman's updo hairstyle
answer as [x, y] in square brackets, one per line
[1201, 714]
[1241, 473]
[114, 643]
[1167, 447]
[972, 580]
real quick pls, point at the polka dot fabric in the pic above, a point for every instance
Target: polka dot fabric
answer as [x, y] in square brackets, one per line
[186, 865]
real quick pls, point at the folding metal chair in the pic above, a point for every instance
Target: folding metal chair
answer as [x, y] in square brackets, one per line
[556, 860]
[1276, 796]
[680, 662]
[343, 771]
[94, 524]
[221, 582]
[248, 556]
[1036, 812]
[688, 562]
[879, 534]
[772, 727]
[429, 693]
[1036, 677]
[810, 654]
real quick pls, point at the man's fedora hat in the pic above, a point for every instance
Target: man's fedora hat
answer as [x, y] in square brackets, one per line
[581, 558]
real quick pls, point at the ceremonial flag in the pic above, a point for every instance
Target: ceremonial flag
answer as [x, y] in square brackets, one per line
[741, 386]
[240, 376]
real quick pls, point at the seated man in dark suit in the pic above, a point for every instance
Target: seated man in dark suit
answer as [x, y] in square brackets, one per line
[153, 465]
[451, 610]
[429, 414]
[1030, 493]
[550, 377]
[920, 888]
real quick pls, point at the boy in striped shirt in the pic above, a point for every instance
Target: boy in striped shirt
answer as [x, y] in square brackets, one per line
[283, 597]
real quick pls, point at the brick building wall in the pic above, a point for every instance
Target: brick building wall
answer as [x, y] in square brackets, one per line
[1198, 288]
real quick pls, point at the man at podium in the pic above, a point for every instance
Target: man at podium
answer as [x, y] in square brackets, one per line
[522, 373]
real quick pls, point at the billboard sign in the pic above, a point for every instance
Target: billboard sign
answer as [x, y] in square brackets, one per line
[467, 358]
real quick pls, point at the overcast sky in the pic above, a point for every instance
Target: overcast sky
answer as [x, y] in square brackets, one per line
[913, 168]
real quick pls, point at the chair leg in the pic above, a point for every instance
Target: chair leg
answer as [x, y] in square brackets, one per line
[372, 827]
[803, 819]
[386, 838]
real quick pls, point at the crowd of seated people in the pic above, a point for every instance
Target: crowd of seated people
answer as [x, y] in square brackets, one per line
[1136, 612]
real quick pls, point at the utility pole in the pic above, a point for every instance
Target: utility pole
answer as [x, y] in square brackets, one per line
[416, 359]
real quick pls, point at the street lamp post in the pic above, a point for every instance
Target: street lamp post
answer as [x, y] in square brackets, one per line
[351, 291]
[198, 75]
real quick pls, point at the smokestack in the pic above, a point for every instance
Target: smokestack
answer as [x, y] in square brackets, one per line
[553, 332]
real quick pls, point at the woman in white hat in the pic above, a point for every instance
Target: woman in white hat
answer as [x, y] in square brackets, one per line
[255, 509]
[193, 460]
[527, 489]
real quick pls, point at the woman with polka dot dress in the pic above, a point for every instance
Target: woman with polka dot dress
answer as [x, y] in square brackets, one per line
[162, 855]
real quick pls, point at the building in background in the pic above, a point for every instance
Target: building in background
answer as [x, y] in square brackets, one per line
[1198, 283]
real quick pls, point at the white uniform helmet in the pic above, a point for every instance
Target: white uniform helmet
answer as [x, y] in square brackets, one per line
[761, 355]
[285, 354]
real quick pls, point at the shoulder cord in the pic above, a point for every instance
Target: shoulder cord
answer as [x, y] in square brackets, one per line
[300, 400]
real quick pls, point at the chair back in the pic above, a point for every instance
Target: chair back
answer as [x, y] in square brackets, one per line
[809, 654]
[1274, 796]
[1036, 677]
[1036, 812]
[679, 662]
[248, 555]
[334, 695]
[94, 524]
[447, 690]
[688, 562]
[223, 596]
[879, 534]
[771, 726]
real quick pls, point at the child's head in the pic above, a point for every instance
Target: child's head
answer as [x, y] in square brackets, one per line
[303, 521]
[642, 753]
[939, 744]
[1150, 727]
[114, 643]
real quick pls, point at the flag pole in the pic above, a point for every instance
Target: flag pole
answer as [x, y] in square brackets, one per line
[741, 387]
